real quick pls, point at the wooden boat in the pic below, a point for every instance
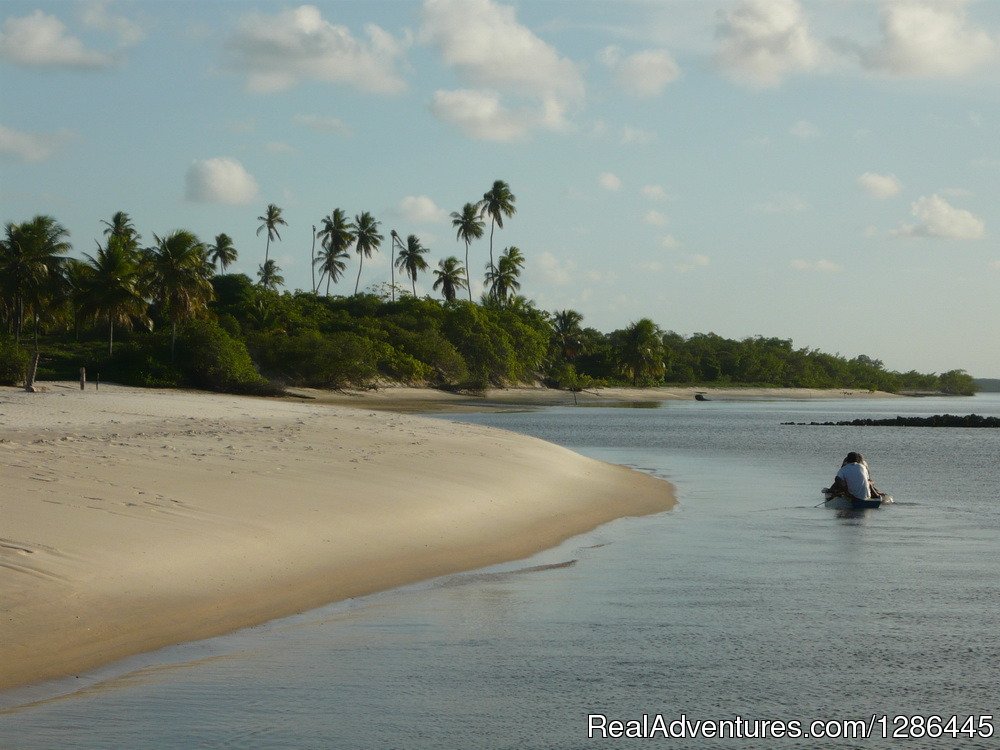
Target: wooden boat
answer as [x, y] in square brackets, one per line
[846, 502]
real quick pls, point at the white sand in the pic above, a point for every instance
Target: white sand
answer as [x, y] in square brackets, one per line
[132, 519]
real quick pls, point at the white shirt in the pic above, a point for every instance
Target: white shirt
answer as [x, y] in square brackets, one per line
[856, 477]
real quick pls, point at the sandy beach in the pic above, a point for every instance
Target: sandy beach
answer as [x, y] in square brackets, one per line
[133, 519]
[406, 399]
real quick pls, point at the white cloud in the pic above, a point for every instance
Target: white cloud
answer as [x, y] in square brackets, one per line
[655, 218]
[421, 209]
[497, 55]
[880, 185]
[609, 181]
[762, 41]
[654, 193]
[642, 74]
[277, 52]
[929, 38]
[322, 124]
[804, 130]
[783, 203]
[480, 115]
[938, 218]
[31, 147]
[220, 180]
[96, 15]
[669, 242]
[692, 262]
[41, 41]
[558, 272]
[822, 266]
[994, 265]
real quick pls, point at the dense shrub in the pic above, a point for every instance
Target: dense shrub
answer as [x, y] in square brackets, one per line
[208, 357]
[314, 359]
[13, 361]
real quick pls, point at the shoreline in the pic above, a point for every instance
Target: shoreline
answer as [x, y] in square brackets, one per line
[404, 399]
[138, 518]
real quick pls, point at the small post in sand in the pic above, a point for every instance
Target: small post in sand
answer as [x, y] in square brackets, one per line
[83, 378]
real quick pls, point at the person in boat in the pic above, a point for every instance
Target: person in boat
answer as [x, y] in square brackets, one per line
[854, 479]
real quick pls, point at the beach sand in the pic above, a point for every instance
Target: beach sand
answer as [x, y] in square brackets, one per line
[132, 519]
[407, 399]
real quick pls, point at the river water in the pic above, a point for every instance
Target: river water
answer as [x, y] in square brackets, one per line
[746, 600]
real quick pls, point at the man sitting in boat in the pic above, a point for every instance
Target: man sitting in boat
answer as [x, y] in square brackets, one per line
[853, 479]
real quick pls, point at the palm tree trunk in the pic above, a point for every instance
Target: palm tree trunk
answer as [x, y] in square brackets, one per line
[361, 264]
[468, 281]
[414, 282]
[173, 341]
[111, 336]
[267, 248]
[493, 224]
[312, 261]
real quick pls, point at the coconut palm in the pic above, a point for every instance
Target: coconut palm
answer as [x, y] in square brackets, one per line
[336, 236]
[121, 226]
[366, 238]
[567, 333]
[271, 220]
[411, 260]
[332, 265]
[469, 226]
[638, 351]
[179, 278]
[31, 266]
[270, 276]
[223, 253]
[497, 203]
[502, 281]
[450, 277]
[110, 286]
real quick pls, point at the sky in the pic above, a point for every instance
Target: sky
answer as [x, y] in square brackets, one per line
[824, 172]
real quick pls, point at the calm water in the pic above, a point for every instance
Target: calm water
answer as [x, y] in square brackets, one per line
[745, 600]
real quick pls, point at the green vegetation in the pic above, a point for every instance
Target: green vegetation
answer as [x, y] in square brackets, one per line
[163, 316]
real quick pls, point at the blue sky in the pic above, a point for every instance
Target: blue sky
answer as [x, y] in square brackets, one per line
[820, 171]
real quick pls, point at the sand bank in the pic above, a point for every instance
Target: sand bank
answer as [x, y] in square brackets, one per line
[132, 519]
[405, 399]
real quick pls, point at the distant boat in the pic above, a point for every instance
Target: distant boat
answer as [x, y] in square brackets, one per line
[846, 502]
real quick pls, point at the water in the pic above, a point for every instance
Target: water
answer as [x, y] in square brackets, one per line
[745, 600]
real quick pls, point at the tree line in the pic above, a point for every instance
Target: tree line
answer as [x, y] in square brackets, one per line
[168, 313]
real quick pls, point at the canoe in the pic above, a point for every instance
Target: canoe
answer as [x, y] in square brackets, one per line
[845, 502]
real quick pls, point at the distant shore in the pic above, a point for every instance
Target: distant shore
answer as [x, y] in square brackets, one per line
[135, 518]
[408, 399]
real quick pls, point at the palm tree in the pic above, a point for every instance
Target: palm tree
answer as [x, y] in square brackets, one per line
[450, 277]
[121, 226]
[270, 276]
[271, 221]
[222, 253]
[503, 280]
[110, 285]
[497, 203]
[469, 226]
[31, 266]
[411, 260]
[567, 333]
[179, 277]
[336, 236]
[638, 351]
[366, 238]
